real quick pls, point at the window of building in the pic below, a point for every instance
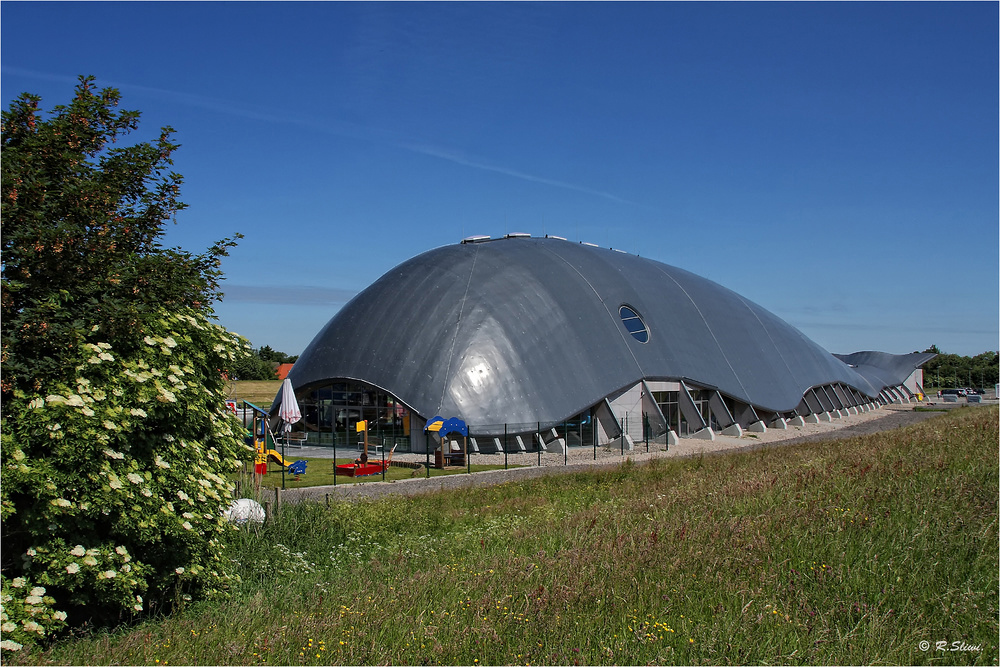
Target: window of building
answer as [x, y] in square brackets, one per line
[633, 323]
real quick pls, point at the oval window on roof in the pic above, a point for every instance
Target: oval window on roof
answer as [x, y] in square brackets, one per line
[633, 323]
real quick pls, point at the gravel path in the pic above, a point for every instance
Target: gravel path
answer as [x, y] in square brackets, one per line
[581, 459]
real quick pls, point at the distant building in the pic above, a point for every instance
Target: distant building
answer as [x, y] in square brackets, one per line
[565, 343]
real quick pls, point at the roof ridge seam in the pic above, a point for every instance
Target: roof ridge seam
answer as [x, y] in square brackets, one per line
[604, 303]
[458, 325]
[707, 326]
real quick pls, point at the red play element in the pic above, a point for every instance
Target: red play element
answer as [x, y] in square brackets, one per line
[359, 469]
[260, 468]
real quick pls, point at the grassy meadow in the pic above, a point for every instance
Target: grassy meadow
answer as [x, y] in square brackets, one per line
[259, 392]
[850, 552]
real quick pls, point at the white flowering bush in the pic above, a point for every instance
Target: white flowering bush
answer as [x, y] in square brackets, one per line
[26, 614]
[115, 481]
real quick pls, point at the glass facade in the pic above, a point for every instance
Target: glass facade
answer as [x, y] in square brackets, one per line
[330, 414]
[577, 431]
[676, 422]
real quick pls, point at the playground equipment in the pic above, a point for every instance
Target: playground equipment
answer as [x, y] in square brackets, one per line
[362, 466]
[445, 455]
[264, 451]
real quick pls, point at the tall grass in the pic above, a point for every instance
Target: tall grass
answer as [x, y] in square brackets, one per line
[853, 551]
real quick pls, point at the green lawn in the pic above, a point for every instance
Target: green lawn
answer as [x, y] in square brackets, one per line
[874, 550]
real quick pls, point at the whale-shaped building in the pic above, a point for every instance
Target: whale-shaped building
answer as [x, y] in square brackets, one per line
[569, 342]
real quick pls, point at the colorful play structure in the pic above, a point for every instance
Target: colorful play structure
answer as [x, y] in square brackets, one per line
[363, 466]
[448, 454]
[264, 446]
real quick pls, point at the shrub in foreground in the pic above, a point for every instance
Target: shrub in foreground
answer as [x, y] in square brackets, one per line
[114, 441]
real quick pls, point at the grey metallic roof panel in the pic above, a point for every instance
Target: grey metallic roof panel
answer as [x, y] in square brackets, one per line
[883, 369]
[526, 329]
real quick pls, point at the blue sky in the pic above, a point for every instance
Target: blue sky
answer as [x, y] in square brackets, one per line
[836, 163]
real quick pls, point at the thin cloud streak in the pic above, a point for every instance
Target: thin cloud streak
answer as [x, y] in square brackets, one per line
[462, 160]
[295, 295]
[861, 326]
[335, 128]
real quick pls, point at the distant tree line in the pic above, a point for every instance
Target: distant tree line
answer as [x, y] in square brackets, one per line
[262, 364]
[952, 370]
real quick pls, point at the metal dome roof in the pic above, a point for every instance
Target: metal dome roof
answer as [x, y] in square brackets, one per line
[521, 330]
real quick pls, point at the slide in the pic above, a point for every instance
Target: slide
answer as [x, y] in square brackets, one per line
[277, 458]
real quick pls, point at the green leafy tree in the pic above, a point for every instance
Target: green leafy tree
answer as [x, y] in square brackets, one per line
[267, 354]
[952, 370]
[114, 440]
[252, 367]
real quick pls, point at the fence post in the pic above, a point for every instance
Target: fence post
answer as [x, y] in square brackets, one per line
[277, 500]
[267, 511]
[538, 434]
[645, 429]
[505, 445]
[623, 424]
[427, 452]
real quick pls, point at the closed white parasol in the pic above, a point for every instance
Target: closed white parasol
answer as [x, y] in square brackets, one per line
[289, 410]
